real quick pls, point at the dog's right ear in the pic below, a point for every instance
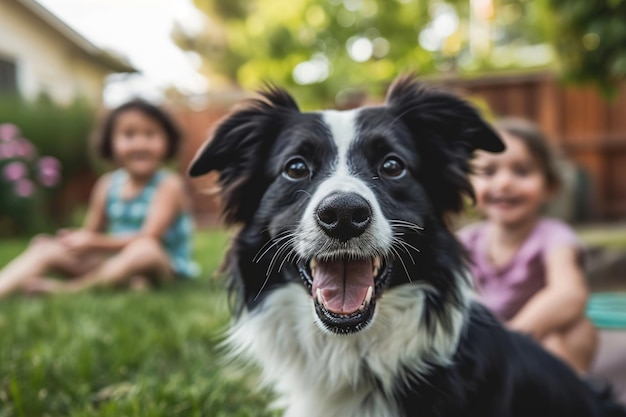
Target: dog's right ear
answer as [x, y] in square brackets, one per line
[447, 129]
[237, 148]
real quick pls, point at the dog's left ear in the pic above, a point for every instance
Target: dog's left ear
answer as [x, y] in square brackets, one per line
[238, 148]
[447, 130]
[436, 111]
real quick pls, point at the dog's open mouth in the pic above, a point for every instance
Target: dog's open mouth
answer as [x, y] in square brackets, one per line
[345, 290]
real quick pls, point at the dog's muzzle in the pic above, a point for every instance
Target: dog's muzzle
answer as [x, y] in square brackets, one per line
[344, 283]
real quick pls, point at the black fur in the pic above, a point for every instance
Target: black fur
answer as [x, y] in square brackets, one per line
[493, 373]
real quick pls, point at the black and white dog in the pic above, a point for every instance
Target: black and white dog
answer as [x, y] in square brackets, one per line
[352, 293]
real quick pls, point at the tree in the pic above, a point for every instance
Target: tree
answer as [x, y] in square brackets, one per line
[299, 42]
[590, 38]
[355, 47]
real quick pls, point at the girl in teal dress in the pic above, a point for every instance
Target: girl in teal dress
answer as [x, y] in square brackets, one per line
[138, 229]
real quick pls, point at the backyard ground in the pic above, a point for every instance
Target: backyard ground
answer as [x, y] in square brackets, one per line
[150, 353]
[123, 354]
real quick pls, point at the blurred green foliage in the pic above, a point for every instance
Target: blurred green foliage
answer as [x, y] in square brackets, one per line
[56, 130]
[256, 41]
[250, 42]
[590, 38]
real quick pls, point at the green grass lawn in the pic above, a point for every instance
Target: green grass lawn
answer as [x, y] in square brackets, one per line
[115, 353]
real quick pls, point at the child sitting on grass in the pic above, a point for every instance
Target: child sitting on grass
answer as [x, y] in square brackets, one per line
[137, 226]
[528, 269]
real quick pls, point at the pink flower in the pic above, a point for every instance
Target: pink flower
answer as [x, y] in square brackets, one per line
[24, 188]
[49, 178]
[24, 148]
[15, 170]
[49, 171]
[9, 150]
[49, 163]
[8, 131]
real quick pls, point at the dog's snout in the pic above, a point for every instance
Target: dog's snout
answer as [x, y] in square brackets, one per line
[343, 215]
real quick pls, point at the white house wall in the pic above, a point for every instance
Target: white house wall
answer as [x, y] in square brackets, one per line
[45, 60]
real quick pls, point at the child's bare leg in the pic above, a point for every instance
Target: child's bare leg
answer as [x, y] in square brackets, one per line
[139, 283]
[43, 286]
[143, 256]
[43, 255]
[576, 344]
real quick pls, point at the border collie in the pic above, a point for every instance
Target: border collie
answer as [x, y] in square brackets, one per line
[351, 292]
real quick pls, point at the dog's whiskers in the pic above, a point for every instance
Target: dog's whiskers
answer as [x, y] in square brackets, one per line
[271, 243]
[291, 257]
[401, 245]
[407, 225]
[287, 244]
[404, 243]
[393, 249]
[276, 255]
[284, 239]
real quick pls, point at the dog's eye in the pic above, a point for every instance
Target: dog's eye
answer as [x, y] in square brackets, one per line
[296, 169]
[392, 167]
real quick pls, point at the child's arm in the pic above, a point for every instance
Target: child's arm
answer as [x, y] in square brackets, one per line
[167, 202]
[79, 240]
[95, 219]
[561, 301]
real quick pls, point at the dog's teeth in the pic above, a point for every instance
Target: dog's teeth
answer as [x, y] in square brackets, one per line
[368, 296]
[319, 297]
[313, 264]
[376, 265]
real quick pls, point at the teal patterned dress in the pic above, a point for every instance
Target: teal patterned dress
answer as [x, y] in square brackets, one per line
[126, 216]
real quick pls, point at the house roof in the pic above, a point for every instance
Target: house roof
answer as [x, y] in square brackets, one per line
[107, 59]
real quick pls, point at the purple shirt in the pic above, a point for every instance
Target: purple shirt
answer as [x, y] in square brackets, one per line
[504, 290]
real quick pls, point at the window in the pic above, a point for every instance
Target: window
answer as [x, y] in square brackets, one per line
[8, 76]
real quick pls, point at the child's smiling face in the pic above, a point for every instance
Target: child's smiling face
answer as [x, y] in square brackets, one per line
[139, 143]
[511, 188]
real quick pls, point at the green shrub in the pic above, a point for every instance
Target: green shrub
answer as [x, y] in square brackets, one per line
[25, 177]
[58, 131]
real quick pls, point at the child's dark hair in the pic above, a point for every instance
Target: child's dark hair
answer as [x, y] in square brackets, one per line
[104, 147]
[537, 144]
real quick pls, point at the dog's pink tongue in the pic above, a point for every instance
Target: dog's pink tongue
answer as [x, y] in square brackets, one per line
[343, 284]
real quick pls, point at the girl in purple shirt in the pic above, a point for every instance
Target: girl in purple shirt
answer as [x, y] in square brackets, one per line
[528, 269]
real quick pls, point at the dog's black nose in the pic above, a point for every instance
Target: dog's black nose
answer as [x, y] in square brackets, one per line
[343, 215]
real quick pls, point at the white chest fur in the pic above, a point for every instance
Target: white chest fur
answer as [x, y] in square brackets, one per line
[321, 374]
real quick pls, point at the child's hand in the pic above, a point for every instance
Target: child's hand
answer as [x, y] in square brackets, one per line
[525, 328]
[78, 240]
[64, 232]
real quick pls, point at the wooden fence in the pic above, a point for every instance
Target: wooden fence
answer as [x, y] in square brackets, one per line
[588, 129]
[197, 127]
